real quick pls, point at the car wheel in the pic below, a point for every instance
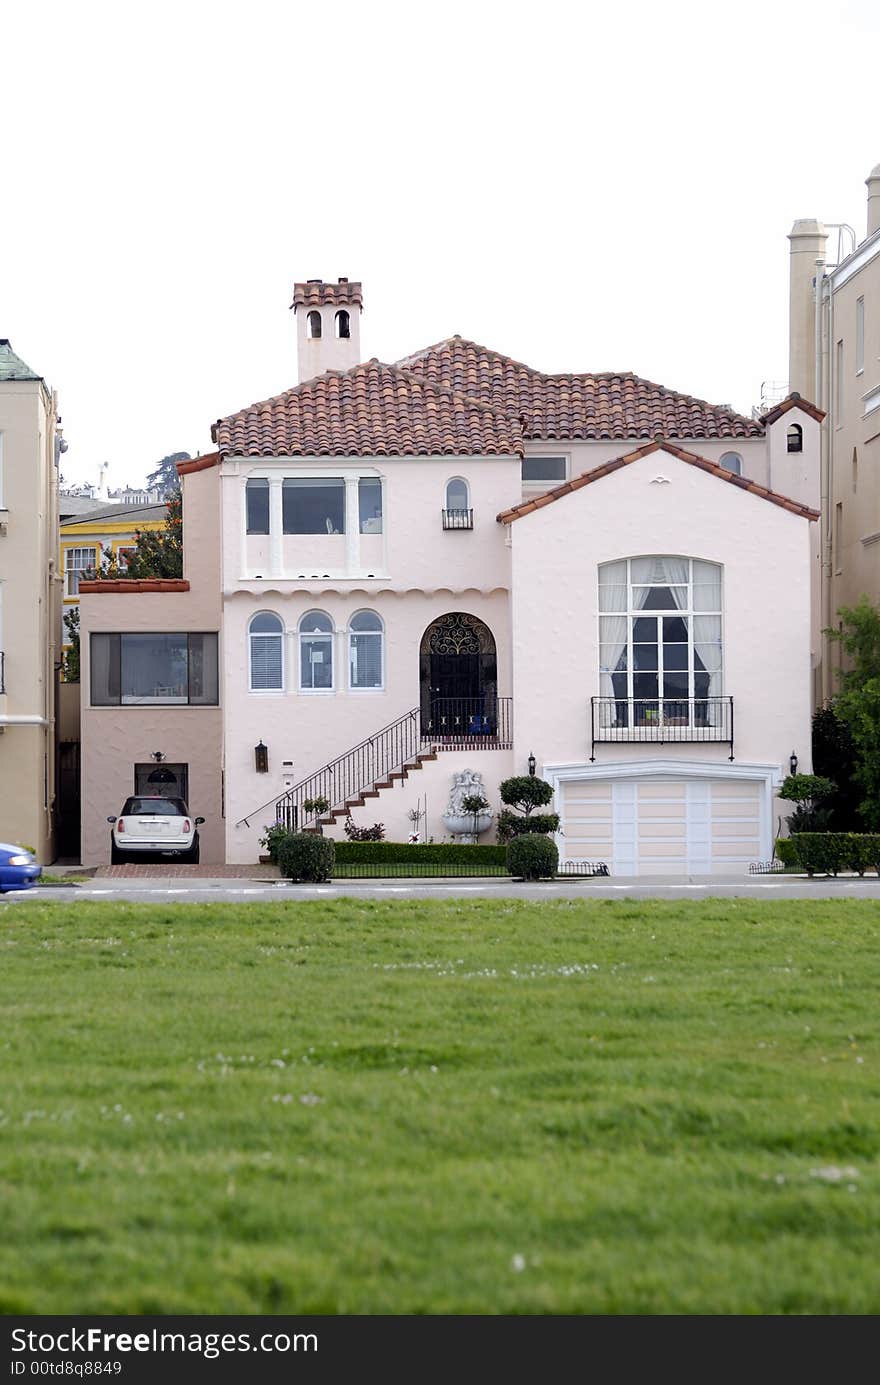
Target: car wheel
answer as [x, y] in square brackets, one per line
[116, 856]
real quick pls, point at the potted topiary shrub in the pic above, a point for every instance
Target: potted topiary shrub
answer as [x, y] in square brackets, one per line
[525, 793]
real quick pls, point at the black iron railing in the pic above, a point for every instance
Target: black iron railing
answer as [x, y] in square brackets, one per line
[473, 722]
[458, 519]
[661, 720]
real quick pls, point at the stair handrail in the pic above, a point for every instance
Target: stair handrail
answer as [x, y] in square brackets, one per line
[289, 796]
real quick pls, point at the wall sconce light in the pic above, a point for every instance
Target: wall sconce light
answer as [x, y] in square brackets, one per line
[792, 763]
[157, 755]
[261, 758]
[532, 763]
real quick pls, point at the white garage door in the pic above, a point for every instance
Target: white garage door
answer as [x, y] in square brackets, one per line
[663, 826]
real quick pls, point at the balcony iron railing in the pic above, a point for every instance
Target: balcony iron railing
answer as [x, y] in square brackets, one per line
[458, 519]
[475, 722]
[661, 720]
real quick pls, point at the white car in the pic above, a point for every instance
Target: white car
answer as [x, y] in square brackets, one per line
[148, 825]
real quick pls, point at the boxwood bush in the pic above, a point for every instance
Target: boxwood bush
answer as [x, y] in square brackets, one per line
[306, 856]
[785, 851]
[418, 853]
[509, 825]
[532, 857]
[829, 852]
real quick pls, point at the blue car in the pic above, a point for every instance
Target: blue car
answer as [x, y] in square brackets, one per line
[18, 869]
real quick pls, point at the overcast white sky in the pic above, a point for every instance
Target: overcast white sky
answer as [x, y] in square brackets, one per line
[584, 187]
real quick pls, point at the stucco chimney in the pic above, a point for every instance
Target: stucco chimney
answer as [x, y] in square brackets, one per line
[328, 325]
[873, 182]
[807, 239]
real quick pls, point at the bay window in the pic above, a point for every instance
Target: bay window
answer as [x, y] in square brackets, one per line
[131, 669]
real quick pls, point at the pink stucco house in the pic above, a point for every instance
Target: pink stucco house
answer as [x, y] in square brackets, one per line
[395, 572]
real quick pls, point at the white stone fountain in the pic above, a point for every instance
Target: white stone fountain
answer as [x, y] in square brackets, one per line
[461, 825]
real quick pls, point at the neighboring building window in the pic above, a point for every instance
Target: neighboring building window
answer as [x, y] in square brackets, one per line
[257, 498]
[795, 438]
[660, 634]
[122, 557]
[132, 670]
[860, 335]
[313, 506]
[78, 563]
[838, 385]
[370, 504]
[838, 536]
[547, 469]
[266, 641]
[314, 323]
[343, 325]
[732, 461]
[315, 652]
[365, 637]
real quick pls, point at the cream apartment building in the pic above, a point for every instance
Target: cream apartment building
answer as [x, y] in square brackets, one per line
[29, 604]
[834, 359]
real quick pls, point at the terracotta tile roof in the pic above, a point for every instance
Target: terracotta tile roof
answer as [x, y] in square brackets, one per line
[371, 410]
[132, 586]
[198, 463]
[314, 293]
[658, 445]
[793, 401]
[608, 405]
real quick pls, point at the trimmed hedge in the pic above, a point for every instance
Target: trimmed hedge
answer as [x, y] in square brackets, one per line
[510, 825]
[532, 857]
[830, 852]
[421, 853]
[785, 851]
[306, 856]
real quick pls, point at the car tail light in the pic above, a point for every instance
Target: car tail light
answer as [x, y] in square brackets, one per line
[120, 824]
[186, 825]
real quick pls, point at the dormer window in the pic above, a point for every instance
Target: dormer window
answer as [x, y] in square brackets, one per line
[795, 438]
[732, 461]
[343, 325]
[314, 324]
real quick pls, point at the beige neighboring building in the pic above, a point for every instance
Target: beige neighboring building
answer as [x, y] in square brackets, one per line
[29, 604]
[834, 359]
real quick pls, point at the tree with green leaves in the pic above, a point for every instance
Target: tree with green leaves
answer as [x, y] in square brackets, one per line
[164, 475]
[858, 702]
[70, 656]
[157, 552]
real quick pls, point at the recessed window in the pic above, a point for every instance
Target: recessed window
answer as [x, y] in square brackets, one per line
[343, 325]
[313, 506]
[457, 513]
[135, 669]
[370, 504]
[795, 438]
[314, 324]
[660, 639]
[78, 564]
[257, 497]
[732, 461]
[855, 469]
[365, 639]
[838, 536]
[543, 469]
[838, 384]
[266, 641]
[860, 335]
[316, 652]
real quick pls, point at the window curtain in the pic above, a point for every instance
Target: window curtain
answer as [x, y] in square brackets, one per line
[673, 573]
[707, 630]
[613, 624]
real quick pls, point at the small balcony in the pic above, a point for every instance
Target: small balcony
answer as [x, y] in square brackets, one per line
[661, 721]
[458, 519]
[468, 723]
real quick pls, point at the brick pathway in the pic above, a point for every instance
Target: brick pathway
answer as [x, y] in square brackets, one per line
[178, 871]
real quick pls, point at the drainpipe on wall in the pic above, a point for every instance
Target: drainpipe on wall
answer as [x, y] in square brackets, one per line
[823, 400]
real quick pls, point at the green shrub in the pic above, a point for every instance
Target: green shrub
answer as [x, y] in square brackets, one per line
[306, 856]
[829, 852]
[511, 825]
[420, 853]
[785, 851]
[272, 838]
[532, 857]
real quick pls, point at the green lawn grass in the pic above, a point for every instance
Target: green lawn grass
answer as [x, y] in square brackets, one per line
[463, 1107]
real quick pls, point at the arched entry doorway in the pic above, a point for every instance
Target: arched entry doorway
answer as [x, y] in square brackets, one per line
[458, 672]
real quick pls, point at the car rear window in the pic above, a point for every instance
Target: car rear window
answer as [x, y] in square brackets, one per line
[154, 807]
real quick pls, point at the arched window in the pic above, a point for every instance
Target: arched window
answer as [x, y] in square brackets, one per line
[315, 652]
[266, 641]
[660, 641]
[343, 325]
[458, 514]
[795, 438]
[314, 323]
[365, 640]
[732, 461]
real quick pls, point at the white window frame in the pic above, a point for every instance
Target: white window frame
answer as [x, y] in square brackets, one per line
[734, 471]
[546, 485]
[86, 567]
[301, 637]
[278, 634]
[380, 686]
[686, 612]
